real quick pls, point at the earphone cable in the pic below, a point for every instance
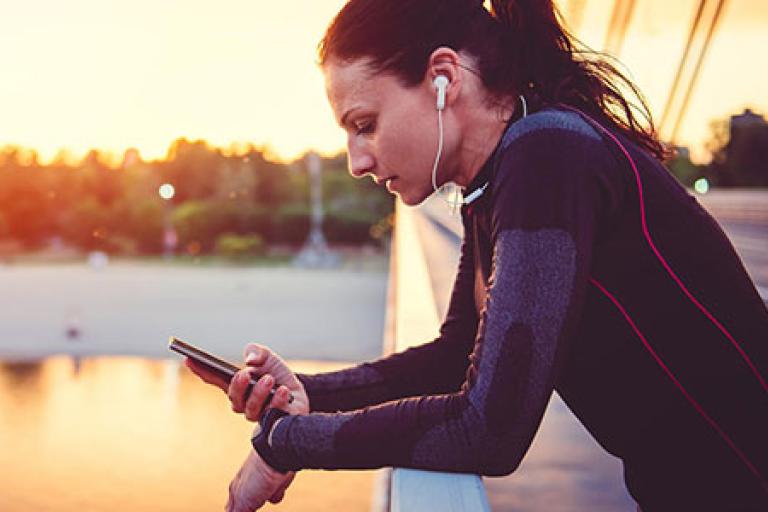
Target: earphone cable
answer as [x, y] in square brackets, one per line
[439, 148]
[456, 201]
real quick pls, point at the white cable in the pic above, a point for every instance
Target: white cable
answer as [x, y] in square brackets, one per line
[439, 148]
[456, 202]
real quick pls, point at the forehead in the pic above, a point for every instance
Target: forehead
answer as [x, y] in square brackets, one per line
[353, 85]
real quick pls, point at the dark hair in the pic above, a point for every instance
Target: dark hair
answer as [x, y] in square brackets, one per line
[519, 47]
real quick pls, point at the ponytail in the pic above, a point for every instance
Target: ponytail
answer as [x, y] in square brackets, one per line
[558, 68]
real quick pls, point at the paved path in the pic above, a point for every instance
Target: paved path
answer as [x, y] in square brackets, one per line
[132, 309]
[743, 215]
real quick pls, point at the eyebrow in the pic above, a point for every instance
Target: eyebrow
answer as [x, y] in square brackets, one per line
[343, 120]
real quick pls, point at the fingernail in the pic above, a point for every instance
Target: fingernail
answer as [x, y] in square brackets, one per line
[251, 357]
[268, 381]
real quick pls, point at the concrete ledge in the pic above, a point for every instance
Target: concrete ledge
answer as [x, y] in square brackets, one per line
[431, 491]
[412, 319]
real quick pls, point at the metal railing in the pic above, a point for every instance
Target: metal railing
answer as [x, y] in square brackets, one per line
[412, 318]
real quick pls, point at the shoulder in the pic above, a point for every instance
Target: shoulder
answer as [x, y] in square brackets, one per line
[551, 144]
[550, 124]
[550, 165]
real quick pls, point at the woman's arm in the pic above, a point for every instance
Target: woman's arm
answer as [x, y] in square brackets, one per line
[433, 368]
[545, 207]
[408, 373]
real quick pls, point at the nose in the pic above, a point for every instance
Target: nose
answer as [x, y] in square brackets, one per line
[359, 159]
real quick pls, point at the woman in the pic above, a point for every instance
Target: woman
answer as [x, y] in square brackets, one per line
[585, 268]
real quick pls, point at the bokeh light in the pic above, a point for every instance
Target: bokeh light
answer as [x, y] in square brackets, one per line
[167, 191]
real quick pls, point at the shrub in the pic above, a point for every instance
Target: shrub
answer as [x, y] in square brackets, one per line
[202, 222]
[290, 224]
[236, 246]
[349, 226]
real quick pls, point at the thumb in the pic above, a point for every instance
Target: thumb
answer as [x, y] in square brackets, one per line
[255, 356]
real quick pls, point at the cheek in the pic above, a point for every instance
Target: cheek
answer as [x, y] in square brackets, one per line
[408, 147]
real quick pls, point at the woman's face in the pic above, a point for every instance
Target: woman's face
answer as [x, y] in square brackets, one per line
[391, 130]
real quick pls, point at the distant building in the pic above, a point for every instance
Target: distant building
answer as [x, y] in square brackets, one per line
[746, 121]
[746, 154]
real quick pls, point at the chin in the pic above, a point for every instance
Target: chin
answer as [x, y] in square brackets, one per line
[411, 199]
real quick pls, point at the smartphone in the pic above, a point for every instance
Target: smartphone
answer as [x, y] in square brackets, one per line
[225, 369]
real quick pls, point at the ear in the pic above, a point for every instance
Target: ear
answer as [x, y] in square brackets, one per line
[444, 61]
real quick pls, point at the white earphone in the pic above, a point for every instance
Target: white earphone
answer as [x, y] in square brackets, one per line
[441, 83]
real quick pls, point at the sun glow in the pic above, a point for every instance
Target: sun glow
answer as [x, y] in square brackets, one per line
[114, 75]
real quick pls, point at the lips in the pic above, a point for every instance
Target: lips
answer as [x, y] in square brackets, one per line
[384, 181]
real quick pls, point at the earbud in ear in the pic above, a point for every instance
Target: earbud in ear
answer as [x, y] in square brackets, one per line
[441, 83]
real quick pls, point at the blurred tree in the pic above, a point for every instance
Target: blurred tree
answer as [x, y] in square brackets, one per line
[96, 179]
[3, 226]
[140, 220]
[202, 222]
[353, 206]
[86, 225]
[92, 205]
[272, 182]
[192, 169]
[684, 169]
[290, 224]
[23, 199]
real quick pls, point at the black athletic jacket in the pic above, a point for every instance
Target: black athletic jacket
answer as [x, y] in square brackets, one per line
[584, 275]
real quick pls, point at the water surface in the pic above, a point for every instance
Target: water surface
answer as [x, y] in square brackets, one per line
[135, 434]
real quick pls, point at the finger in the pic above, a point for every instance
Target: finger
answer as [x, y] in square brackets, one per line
[277, 497]
[280, 491]
[279, 494]
[205, 374]
[255, 355]
[237, 389]
[281, 398]
[259, 397]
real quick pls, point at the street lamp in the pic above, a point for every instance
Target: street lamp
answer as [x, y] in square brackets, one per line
[170, 239]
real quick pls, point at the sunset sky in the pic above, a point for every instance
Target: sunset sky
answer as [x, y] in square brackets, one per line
[88, 74]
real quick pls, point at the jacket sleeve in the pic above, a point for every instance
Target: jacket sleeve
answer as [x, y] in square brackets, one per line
[545, 207]
[413, 371]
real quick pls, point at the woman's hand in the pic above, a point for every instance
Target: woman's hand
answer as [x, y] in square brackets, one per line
[260, 361]
[255, 484]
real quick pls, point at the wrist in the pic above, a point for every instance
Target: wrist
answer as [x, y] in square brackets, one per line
[262, 438]
[265, 470]
[272, 431]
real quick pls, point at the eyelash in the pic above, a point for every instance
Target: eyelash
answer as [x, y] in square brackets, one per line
[364, 128]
